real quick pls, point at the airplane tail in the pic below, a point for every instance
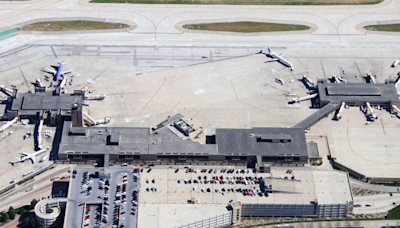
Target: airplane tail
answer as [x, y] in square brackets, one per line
[61, 63]
[269, 50]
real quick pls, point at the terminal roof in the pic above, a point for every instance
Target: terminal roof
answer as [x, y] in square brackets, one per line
[262, 141]
[357, 93]
[128, 140]
[28, 103]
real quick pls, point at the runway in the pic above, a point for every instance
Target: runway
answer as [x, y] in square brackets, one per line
[156, 23]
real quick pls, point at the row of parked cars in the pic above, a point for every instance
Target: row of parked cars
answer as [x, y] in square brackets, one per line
[86, 184]
[86, 220]
[245, 191]
[247, 180]
[243, 171]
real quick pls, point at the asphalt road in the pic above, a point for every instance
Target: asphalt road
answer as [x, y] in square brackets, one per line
[19, 197]
[361, 184]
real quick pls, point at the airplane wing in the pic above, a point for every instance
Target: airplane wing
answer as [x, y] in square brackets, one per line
[50, 70]
[33, 159]
[281, 55]
[26, 154]
[66, 72]
[271, 60]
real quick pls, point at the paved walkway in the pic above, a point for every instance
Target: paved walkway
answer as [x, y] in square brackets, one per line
[13, 223]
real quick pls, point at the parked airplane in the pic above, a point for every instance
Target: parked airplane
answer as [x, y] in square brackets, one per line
[59, 71]
[276, 57]
[29, 156]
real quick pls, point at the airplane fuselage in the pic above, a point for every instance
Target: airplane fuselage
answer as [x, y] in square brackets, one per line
[31, 157]
[58, 74]
[280, 59]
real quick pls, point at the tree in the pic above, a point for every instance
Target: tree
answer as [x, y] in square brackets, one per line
[26, 223]
[22, 211]
[41, 225]
[33, 203]
[6, 217]
[32, 223]
[11, 212]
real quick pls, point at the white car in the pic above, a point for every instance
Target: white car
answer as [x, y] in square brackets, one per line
[28, 189]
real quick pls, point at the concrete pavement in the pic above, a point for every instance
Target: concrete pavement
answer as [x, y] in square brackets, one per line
[336, 24]
[375, 203]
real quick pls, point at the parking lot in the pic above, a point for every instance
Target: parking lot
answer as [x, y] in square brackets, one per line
[103, 198]
[222, 186]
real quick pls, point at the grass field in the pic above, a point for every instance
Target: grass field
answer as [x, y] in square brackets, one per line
[247, 2]
[387, 27]
[72, 25]
[394, 213]
[245, 27]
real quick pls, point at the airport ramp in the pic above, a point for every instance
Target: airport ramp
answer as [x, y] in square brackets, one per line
[311, 120]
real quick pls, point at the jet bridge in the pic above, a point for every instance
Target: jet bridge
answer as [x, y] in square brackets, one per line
[314, 118]
[6, 91]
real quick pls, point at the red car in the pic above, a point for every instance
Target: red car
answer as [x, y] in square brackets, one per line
[52, 179]
[81, 204]
[136, 170]
[142, 165]
[177, 170]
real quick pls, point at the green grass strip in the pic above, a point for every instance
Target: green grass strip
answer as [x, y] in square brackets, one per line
[386, 27]
[6, 32]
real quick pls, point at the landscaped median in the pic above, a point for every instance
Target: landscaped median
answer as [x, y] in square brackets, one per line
[246, 27]
[391, 27]
[71, 25]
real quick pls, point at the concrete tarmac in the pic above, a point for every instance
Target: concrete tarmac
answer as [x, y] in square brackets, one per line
[336, 24]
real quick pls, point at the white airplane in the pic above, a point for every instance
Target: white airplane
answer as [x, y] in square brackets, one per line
[29, 156]
[278, 58]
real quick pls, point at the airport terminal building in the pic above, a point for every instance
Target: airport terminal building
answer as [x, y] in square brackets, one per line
[169, 143]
